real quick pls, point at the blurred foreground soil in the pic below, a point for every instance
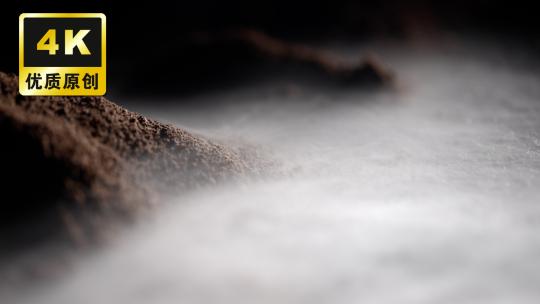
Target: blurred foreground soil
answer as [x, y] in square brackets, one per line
[70, 162]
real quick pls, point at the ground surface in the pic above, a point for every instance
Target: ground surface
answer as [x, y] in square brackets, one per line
[425, 195]
[86, 156]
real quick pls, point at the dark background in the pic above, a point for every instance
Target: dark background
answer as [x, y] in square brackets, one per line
[147, 37]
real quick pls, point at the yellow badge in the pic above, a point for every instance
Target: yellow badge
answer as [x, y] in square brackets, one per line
[62, 54]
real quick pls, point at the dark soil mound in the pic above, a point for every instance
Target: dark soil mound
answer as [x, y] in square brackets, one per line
[226, 58]
[71, 160]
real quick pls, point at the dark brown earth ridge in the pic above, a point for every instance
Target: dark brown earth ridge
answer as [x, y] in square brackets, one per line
[75, 159]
